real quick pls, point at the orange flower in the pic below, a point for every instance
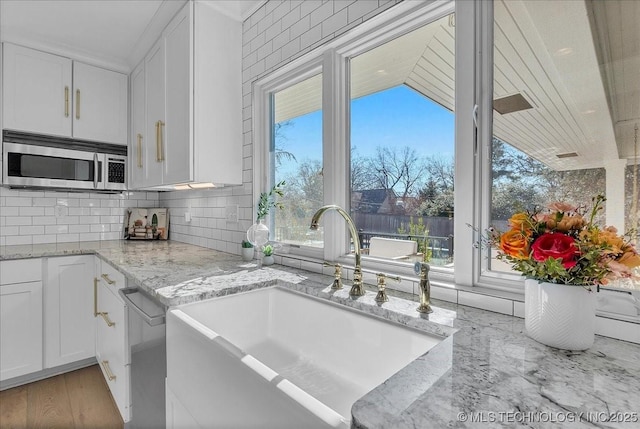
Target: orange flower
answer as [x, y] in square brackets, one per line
[520, 221]
[569, 223]
[561, 207]
[515, 244]
[630, 259]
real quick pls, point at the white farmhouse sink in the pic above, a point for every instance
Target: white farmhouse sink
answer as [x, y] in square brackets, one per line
[277, 358]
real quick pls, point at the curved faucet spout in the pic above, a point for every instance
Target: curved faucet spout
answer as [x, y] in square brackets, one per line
[357, 289]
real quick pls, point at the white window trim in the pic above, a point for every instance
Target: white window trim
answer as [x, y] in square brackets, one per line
[331, 58]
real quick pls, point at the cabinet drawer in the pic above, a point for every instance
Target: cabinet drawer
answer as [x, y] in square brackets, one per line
[20, 271]
[117, 376]
[111, 277]
[111, 340]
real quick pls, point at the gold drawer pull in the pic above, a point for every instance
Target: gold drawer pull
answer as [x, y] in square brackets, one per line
[108, 280]
[77, 104]
[107, 369]
[159, 141]
[139, 150]
[66, 101]
[108, 321]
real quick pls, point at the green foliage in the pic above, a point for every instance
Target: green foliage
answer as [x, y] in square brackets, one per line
[418, 232]
[268, 200]
[267, 250]
[246, 244]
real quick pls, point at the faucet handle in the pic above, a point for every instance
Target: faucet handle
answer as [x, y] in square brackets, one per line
[337, 274]
[382, 293]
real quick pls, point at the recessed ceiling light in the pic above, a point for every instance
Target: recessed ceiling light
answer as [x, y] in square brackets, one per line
[567, 155]
[563, 51]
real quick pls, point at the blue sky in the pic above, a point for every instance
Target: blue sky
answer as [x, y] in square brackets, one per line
[395, 117]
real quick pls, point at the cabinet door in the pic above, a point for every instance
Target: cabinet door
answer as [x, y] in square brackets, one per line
[20, 328]
[155, 103]
[69, 320]
[36, 91]
[111, 345]
[139, 139]
[99, 104]
[178, 166]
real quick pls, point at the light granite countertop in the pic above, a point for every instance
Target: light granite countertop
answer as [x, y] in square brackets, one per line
[485, 373]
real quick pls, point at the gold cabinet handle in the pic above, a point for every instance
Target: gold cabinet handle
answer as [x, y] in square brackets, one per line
[159, 141]
[77, 104]
[95, 296]
[108, 280]
[105, 317]
[97, 313]
[139, 150]
[66, 101]
[107, 369]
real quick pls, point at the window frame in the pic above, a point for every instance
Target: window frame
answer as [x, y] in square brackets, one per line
[332, 60]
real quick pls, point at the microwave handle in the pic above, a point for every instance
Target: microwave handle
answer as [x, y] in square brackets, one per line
[96, 167]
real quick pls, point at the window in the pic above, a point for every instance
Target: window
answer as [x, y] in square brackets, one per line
[563, 124]
[402, 145]
[296, 158]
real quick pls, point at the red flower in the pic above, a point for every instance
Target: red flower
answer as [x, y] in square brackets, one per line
[556, 246]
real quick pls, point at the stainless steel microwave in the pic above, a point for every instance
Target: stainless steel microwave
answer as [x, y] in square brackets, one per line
[49, 162]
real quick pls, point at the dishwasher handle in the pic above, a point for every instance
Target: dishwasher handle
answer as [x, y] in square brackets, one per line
[151, 320]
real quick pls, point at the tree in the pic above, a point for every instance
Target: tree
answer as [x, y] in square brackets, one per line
[397, 169]
[280, 138]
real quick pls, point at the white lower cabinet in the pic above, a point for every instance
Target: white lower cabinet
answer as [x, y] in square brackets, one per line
[20, 317]
[178, 417]
[111, 336]
[69, 333]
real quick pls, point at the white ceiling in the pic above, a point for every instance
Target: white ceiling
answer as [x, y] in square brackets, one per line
[582, 78]
[112, 33]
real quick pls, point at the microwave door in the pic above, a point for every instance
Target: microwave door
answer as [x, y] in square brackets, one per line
[30, 165]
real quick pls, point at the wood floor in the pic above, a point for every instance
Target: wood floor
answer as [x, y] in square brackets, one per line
[78, 399]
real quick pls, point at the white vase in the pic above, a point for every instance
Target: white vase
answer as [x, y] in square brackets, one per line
[258, 234]
[247, 253]
[560, 316]
[268, 260]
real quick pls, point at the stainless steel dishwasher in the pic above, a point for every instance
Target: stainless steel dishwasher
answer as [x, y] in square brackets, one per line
[148, 357]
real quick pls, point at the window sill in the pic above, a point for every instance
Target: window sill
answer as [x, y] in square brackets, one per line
[499, 301]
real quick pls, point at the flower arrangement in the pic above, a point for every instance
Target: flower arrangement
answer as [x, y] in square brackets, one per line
[561, 245]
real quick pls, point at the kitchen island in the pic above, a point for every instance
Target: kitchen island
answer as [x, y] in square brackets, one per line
[485, 373]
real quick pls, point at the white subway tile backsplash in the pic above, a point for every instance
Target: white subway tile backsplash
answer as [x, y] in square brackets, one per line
[491, 303]
[334, 23]
[18, 239]
[321, 13]
[31, 211]
[359, 9]
[31, 230]
[12, 220]
[51, 216]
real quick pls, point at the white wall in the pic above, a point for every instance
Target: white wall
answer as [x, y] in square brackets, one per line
[274, 35]
[34, 217]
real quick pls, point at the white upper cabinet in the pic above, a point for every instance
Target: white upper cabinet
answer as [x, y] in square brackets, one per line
[154, 103]
[50, 94]
[100, 104]
[139, 137]
[193, 101]
[37, 91]
[178, 164]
